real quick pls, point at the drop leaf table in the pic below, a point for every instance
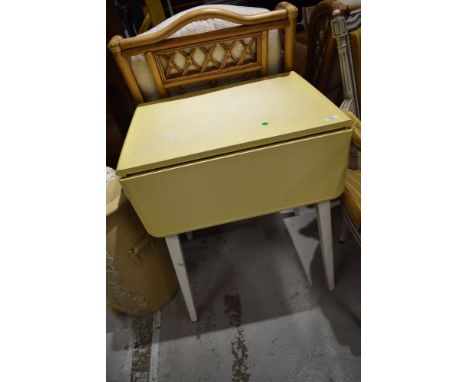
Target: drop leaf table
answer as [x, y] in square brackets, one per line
[232, 153]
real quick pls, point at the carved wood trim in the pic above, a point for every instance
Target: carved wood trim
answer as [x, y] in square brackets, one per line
[340, 34]
[321, 47]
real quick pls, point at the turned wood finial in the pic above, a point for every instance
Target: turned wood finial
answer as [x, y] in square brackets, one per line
[114, 44]
[336, 12]
[290, 9]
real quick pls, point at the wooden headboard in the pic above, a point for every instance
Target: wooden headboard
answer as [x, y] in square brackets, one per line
[159, 50]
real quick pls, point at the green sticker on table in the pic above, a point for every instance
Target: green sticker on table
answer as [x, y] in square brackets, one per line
[264, 123]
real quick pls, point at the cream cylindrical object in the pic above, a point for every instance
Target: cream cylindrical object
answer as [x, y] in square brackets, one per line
[140, 278]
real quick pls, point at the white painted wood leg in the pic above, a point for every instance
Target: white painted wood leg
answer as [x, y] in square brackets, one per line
[189, 235]
[297, 211]
[323, 212]
[177, 256]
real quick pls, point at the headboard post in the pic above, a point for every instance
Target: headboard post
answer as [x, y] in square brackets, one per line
[289, 34]
[125, 68]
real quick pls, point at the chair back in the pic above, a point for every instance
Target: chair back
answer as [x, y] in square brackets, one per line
[177, 62]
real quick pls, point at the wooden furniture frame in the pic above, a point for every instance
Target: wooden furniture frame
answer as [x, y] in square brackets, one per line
[159, 49]
[321, 46]
[340, 27]
[154, 14]
[351, 197]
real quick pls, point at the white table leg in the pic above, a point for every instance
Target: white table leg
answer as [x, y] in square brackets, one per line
[175, 250]
[189, 235]
[297, 211]
[323, 213]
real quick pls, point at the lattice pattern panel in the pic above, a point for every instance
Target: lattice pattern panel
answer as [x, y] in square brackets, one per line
[203, 60]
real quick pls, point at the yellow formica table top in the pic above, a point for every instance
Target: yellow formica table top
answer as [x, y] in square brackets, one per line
[226, 120]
